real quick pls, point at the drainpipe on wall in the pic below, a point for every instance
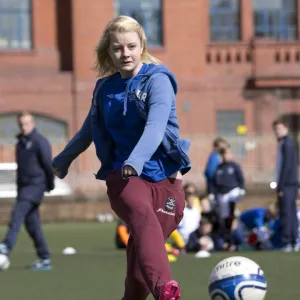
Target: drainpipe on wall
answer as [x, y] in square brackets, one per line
[278, 98]
[75, 128]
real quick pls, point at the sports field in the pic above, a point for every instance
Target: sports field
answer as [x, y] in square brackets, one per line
[97, 271]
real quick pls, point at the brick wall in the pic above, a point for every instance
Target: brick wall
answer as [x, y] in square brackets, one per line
[56, 79]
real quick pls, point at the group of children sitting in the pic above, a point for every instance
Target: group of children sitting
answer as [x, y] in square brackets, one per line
[211, 221]
[202, 232]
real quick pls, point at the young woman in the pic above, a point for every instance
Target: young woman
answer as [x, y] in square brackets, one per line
[134, 126]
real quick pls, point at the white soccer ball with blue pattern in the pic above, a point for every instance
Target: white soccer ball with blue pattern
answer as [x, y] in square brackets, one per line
[237, 278]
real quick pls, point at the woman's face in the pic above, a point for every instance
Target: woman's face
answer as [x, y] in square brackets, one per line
[125, 51]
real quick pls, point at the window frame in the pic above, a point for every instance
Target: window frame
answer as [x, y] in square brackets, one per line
[128, 12]
[276, 32]
[218, 12]
[20, 33]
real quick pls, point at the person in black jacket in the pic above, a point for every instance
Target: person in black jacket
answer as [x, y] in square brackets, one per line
[287, 185]
[202, 238]
[228, 187]
[34, 177]
[228, 184]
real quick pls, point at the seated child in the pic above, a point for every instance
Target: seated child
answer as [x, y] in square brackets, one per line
[122, 237]
[190, 220]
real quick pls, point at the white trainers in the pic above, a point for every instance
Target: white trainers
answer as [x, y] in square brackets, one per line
[3, 249]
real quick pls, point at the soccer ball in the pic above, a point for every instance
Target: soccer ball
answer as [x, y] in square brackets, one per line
[4, 262]
[237, 278]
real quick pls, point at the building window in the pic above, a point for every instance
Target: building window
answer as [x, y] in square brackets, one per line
[55, 130]
[275, 19]
[148, 13]
[224, 20]
[15, 24]
[228, 123]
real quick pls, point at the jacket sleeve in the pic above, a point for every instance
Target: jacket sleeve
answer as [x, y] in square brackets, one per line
[45, 156]
[212, 186]
[161, 95]
[240, 176]
[78, 144]
[287, 149]
[211, 166]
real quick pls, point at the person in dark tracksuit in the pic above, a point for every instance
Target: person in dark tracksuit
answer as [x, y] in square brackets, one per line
[287, 186]
[228, 186]
[34, 177]
[213, 162]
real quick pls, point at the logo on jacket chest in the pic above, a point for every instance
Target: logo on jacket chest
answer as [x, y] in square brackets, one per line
[141, 95]
[229, 171]
[28, 145]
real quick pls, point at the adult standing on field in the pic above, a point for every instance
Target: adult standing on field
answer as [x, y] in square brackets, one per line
[214, 160]
[287, 185]
[34, 178]
[134, 126]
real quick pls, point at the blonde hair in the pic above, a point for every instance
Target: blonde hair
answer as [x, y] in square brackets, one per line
[104, 65]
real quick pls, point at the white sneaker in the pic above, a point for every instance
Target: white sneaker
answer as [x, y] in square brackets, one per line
[202, 254]
[3, 249]
[287, 249]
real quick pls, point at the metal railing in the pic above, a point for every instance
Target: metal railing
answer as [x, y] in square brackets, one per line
[258, 161]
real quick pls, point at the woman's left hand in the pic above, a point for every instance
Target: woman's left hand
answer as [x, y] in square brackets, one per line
[129, 171]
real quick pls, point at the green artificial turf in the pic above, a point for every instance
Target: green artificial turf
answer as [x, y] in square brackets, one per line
[97, 271]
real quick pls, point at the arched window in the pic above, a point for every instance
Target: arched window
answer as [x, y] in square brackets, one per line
[55, 130]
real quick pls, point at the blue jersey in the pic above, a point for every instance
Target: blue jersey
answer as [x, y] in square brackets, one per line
[132, 121]
[127, 130]
[254, 218]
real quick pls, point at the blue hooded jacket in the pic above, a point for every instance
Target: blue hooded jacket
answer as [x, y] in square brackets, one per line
[160, 136]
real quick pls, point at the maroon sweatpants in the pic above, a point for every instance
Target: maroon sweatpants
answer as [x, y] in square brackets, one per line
[152, 212]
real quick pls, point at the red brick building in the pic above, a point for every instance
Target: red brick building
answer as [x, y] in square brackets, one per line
[237, 63]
